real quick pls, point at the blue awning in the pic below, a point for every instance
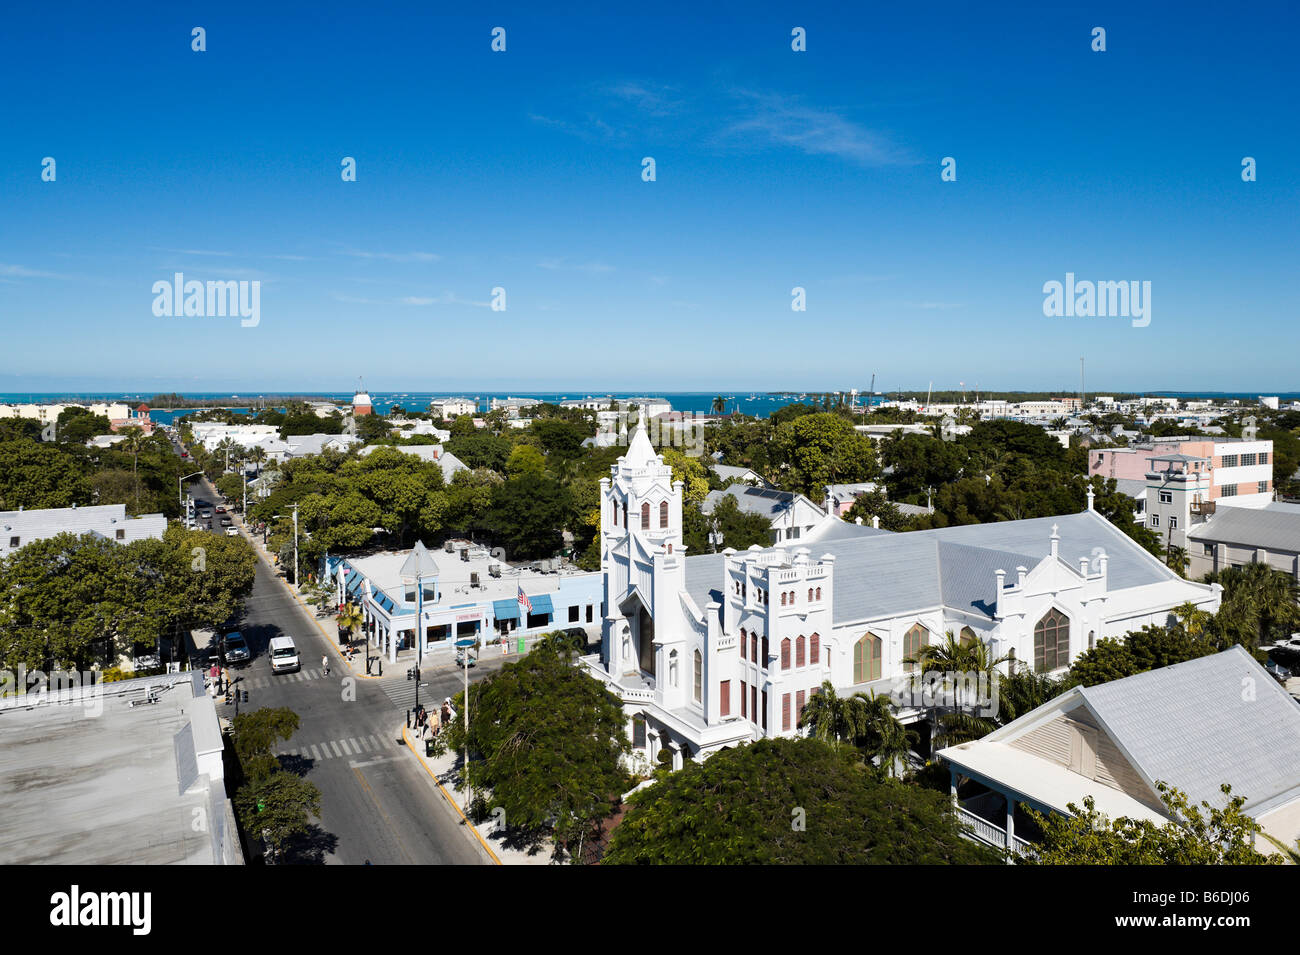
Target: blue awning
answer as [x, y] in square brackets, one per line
[505, 609]
[542, 604]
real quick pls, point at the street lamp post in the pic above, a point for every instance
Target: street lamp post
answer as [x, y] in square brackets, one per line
[180, 493]
[464, 645]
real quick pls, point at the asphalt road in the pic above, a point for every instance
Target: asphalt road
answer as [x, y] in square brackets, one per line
[377, 801]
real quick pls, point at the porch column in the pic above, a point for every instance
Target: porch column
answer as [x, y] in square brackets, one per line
[952, 784]
[1011, 821]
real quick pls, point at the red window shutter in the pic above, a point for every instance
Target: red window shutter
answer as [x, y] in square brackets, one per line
[753, 702]
[744, 699]
[799, 651]
[725, 698]
[785, 711]
[798, 705]
[816, 648]
[810, 593]
[765, 709]
[785, 653]
[744, 652]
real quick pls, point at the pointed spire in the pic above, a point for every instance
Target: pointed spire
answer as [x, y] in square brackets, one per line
[420, 564]
[640, 452]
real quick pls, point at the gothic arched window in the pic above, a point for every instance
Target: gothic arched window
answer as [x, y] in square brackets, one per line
[645, 516]
[866, 659]
[1051, 641]
[663, 514]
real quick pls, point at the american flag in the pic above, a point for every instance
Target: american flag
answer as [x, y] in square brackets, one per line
[524, 601]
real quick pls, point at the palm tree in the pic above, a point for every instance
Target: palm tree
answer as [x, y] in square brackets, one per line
[832, 718]
[350, 619]
[953, 657]
[1193, 619]
[1259, 604]
[719, 405]
[134, 442]
[886, 740]
[257, 455]
[1176, 559]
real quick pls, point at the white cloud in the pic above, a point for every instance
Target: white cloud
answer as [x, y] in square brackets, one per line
[784, 121]
[395, 256]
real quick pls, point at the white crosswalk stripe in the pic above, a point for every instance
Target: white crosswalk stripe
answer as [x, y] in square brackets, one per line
[337, 748]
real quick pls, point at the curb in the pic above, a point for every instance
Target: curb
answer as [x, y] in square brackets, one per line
[441, 788]
[265, 555]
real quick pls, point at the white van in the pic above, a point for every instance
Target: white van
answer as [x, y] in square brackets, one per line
[284, 655]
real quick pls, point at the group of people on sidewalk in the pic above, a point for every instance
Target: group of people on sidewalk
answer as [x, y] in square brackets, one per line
[430, 724]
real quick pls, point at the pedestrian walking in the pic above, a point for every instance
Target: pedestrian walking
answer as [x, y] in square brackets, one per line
[325, 664]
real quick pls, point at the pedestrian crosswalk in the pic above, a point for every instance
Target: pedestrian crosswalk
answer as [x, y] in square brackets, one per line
[402, 693]
[338, 748]
[261, 682]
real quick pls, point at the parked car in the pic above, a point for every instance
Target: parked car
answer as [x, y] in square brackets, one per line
[221, 508]
[284, 655]
[237, 652]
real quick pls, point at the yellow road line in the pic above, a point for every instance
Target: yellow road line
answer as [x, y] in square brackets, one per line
[391, 827]
[429, 769]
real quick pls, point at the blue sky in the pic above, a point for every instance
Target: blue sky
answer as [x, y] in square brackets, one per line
[775, 169]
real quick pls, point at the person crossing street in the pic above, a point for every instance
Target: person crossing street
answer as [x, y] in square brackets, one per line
[325, 664]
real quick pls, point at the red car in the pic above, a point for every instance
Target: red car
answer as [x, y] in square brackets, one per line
[221, 508]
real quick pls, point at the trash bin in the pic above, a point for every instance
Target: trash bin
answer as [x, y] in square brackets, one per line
[428, 747]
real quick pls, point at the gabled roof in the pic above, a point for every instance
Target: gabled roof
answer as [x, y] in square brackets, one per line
[1195, 725]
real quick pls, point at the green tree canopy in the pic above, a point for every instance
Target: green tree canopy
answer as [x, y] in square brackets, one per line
[550, 740]
[789, 802]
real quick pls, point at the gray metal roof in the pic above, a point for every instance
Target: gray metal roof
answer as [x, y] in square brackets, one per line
[883, 574]
[1193, 726]
[763, 501]
[1274, 527]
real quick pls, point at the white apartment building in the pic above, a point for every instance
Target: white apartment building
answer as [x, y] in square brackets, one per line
[449, 408]
[46, 413]
[710, 650]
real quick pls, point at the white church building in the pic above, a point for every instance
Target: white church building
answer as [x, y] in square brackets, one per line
[707, 651]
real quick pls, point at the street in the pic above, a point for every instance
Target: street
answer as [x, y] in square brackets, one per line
[377, 801]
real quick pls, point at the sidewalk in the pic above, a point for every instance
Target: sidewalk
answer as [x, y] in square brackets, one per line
[444, 771]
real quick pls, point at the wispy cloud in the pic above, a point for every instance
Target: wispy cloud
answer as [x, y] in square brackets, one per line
[785, 121]
[560, 264]
[446, 298]
[192, 251]
[23, 272]
[394, 256]
[934, 305]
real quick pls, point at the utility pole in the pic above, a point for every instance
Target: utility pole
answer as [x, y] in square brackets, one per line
[295, 547]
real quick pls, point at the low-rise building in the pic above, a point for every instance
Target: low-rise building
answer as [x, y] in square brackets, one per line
[467, 592]
[109, 521]
[1234, 536]
[790, 515]
[1194, 726]
[450, 408]
[112, 774]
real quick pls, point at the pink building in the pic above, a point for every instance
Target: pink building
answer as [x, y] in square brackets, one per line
[1239, 468]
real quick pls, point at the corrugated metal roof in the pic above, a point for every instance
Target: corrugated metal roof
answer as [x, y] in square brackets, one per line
[883, 574]
[1274, 527]
[1195, 726]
